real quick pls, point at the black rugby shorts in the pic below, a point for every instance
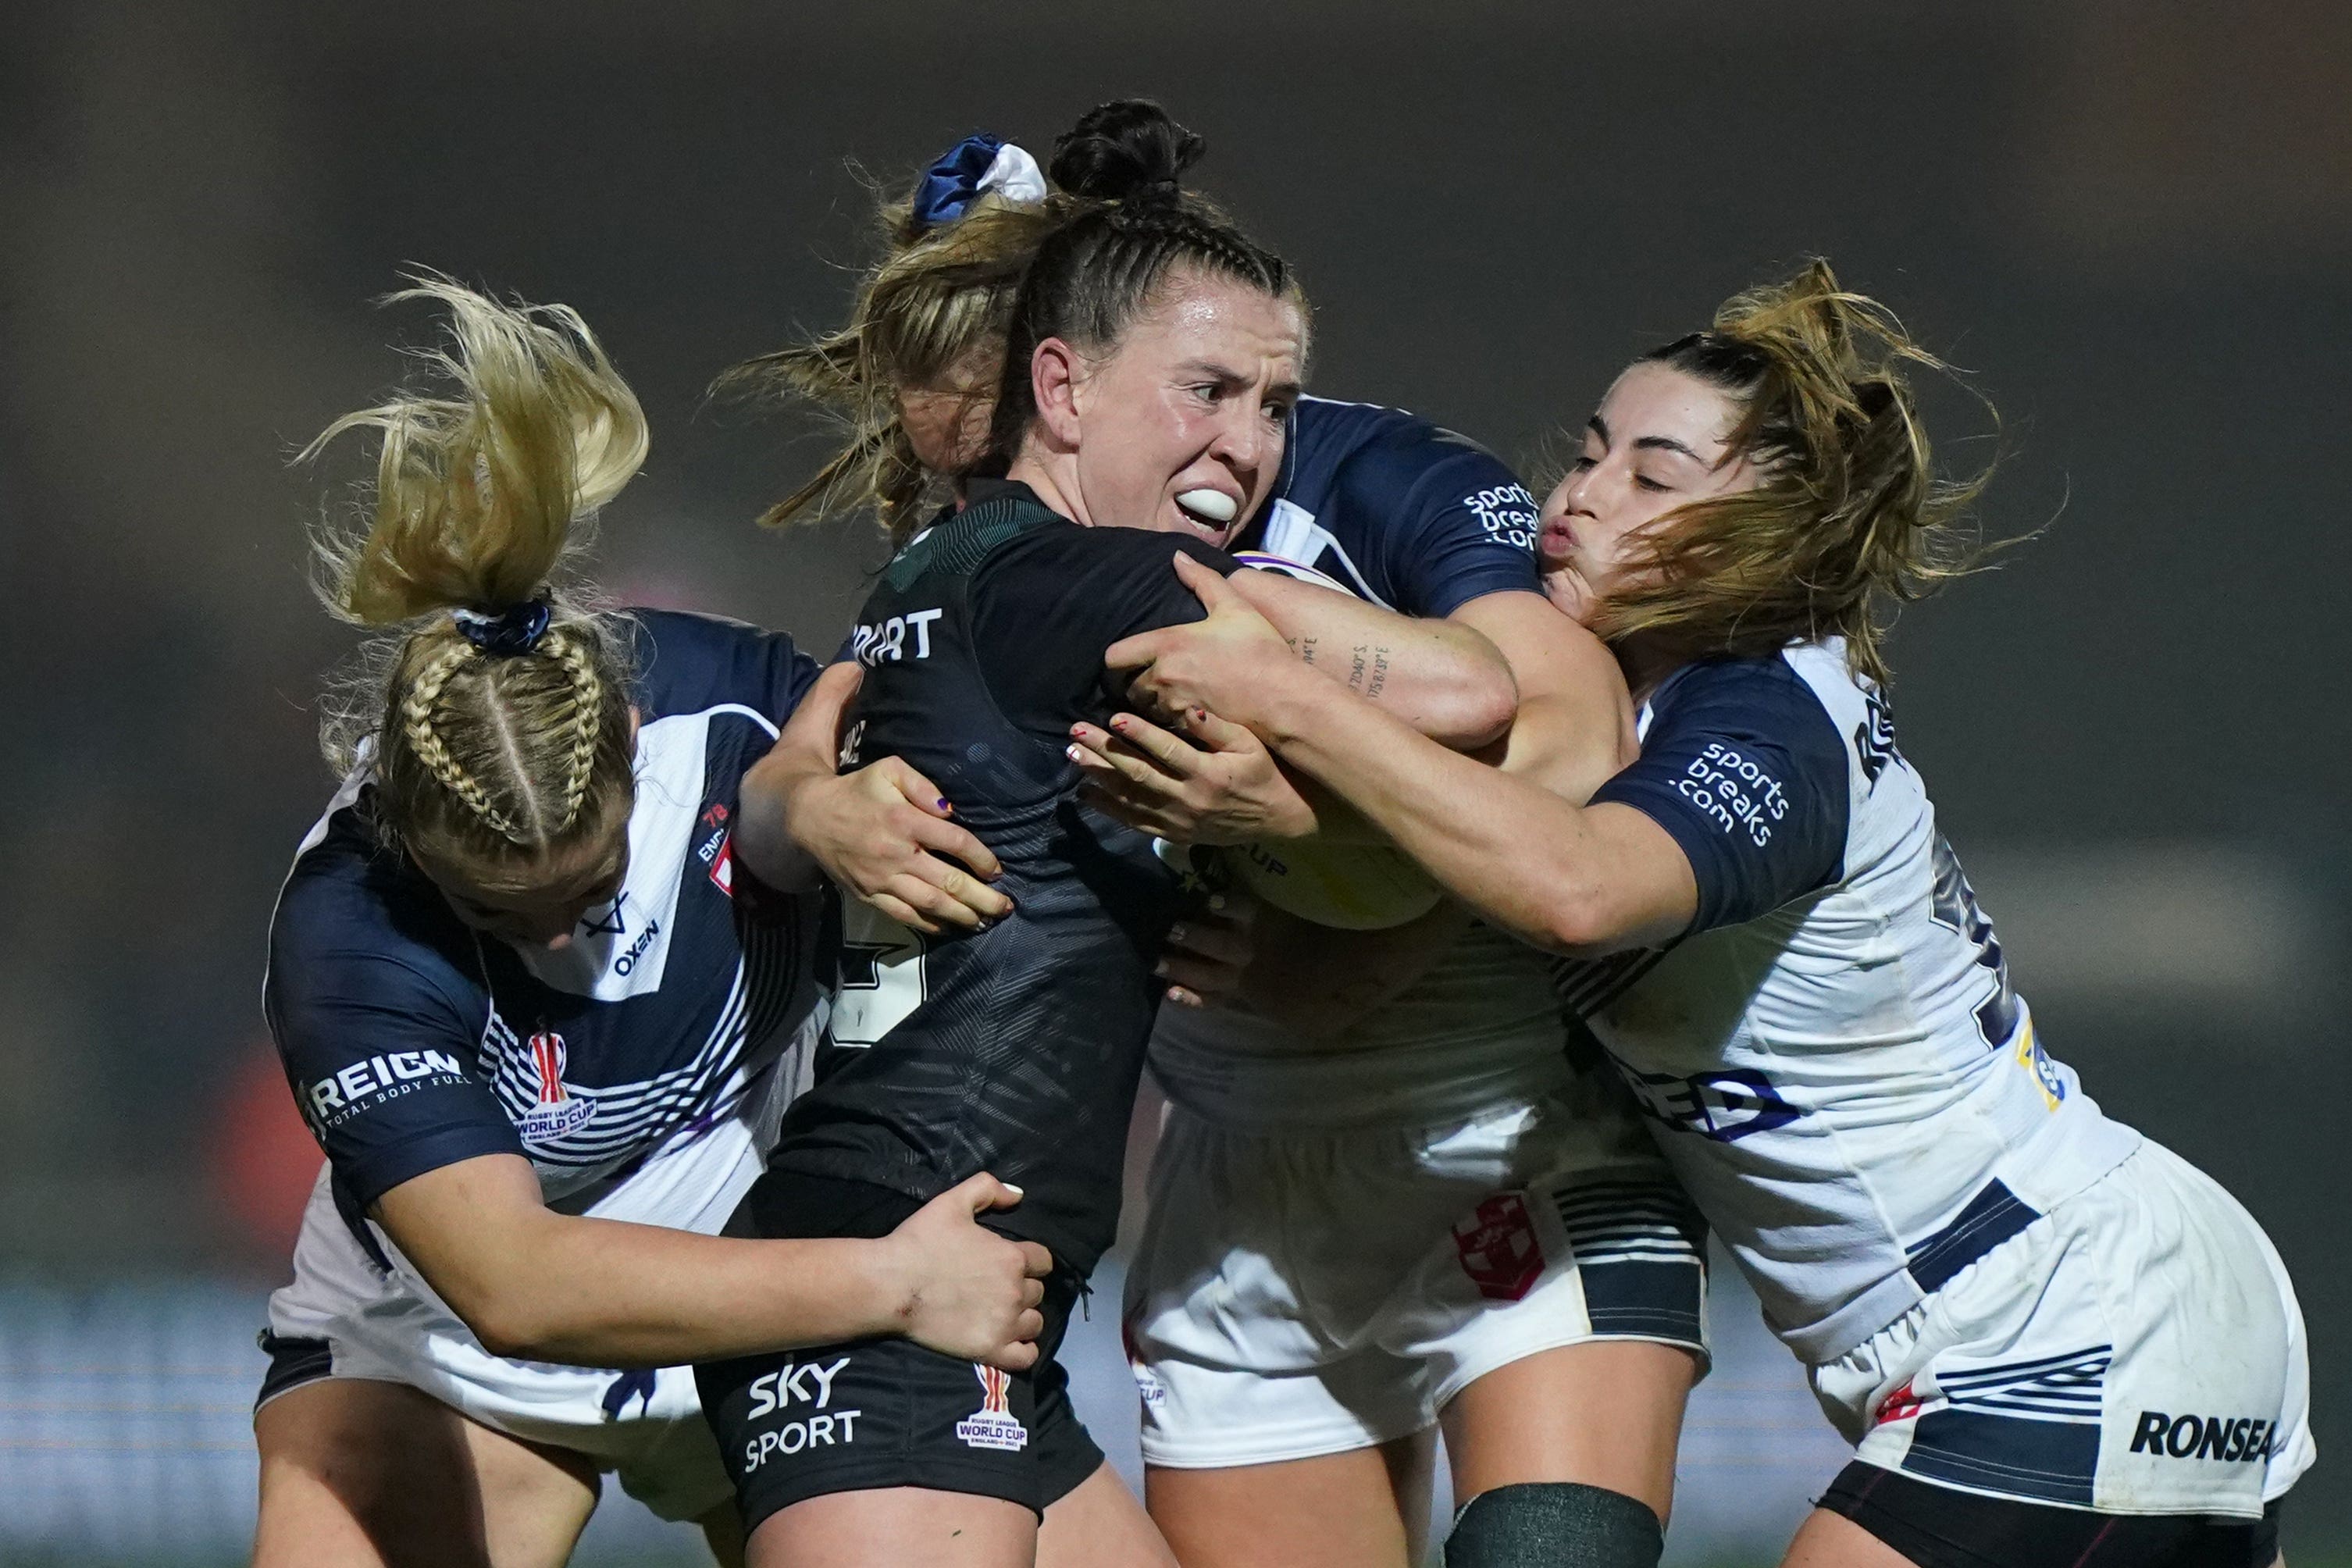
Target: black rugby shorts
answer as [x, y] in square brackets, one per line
[1937, 1527]
[887, 1412]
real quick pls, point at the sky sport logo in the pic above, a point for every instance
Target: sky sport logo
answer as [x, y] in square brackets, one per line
[993, 1425]
[557, 1112]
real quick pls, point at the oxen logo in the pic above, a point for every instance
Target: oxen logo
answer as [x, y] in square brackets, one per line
[993, 1424]
[556, 1113]
[1498, 1247]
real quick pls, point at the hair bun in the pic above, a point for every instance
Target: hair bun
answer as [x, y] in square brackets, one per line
[1126, 150]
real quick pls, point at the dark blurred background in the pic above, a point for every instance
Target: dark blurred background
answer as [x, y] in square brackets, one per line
[2131, 220]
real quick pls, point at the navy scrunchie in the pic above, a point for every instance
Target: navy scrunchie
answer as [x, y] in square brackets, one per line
[514, 630]
[949, 184]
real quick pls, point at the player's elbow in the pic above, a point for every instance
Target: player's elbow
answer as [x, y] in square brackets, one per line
[504, 1318]
[1577, 921]
[1476, 709]
[516, 1329]
[509, 1308]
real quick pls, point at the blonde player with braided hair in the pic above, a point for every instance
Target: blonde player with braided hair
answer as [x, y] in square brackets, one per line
[541, 981]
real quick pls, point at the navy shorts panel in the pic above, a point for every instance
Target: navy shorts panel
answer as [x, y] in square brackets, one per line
[293, 1361]
[874, 1413]
[1941, 1526]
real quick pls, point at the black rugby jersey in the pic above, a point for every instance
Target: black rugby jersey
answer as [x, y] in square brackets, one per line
[413, 1041]
[1013, 1050]
[1397, 510]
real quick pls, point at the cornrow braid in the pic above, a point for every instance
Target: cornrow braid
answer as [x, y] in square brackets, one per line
[433, 754]
[580, 661]
[494, 718]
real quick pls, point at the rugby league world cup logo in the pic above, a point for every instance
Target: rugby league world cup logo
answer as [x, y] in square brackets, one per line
[993, 1425]
[556, 1113]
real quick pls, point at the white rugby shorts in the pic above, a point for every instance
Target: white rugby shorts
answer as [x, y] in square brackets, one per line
[1306, 1292]
[344, 1317]
[2135, 1351]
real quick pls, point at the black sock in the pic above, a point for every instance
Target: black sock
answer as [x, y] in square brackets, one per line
[1555, 1524]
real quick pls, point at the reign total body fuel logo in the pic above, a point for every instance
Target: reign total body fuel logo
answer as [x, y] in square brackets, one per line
[557, 1112]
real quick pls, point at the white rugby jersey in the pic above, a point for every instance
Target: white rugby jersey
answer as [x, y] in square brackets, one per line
[412, 1041]
[1832, 1056]
[1390, 508]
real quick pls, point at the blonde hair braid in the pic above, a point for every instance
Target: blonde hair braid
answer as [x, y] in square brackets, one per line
[501, 761]
[579, 661]
[433, 752]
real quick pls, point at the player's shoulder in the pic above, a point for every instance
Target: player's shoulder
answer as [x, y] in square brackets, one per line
[1363, 447]
[355, 921]
[1063, 546]
[685, 662]
[1801, 698]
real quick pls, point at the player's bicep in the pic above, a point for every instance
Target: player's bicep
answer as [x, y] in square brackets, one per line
[466, 1226]
[380, 1057]
[1757, 805]
[1574, 728]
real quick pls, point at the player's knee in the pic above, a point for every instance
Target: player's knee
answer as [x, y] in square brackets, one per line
[1556, 1524]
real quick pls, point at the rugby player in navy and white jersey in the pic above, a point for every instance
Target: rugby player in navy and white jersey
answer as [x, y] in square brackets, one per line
[2053, 1343]
[542, 985]
[1495, 1243]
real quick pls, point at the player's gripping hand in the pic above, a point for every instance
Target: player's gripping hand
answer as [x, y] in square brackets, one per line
[1221, 786]
[1230, 662]
[967, 1291]
[1208, 950]
[880, 832]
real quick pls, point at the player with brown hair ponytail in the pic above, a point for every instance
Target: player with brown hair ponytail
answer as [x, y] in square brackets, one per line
[1848, 517]
[2002, 1298]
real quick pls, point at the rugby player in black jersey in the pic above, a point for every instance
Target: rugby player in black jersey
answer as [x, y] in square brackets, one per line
[1154, 355]
[1294, 1380]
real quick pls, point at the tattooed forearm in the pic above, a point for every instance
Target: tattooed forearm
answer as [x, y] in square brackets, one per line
[1368, 671]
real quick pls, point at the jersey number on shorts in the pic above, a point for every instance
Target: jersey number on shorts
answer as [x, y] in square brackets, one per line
[1956, 906]
[880, 979]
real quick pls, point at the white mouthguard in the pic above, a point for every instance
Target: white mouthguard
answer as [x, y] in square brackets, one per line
[1215, 505]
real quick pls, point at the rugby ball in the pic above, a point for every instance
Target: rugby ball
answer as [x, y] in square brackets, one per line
[1352, 887]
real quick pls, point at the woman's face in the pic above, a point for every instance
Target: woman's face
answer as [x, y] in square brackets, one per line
[1181, 427]
[1655, 444]
[544, 917]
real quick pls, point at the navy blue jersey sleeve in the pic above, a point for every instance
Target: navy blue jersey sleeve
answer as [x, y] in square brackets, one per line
[1046, 605]
[1449, 521]
[379, 1052]
[687, 663]
[1744, 768]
